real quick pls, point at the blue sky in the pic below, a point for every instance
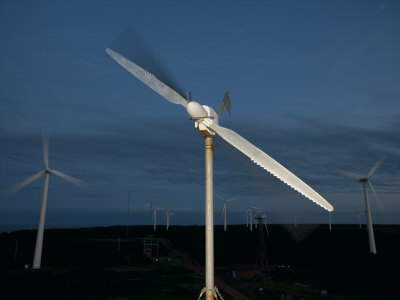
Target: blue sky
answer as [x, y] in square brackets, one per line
[315, 84]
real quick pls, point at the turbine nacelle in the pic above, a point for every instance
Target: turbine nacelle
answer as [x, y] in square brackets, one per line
[201, 113]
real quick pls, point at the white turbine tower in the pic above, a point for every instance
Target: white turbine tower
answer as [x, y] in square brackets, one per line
[330, 221]
[264, 217]
[365, 180]
[224, 208]
[37, 258]
[249, 216]
[168, 214]
[154, 216]
[207, 122]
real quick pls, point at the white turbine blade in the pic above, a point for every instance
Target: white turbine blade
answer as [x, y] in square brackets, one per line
[354, 175]
[46, 150]
[148, 79]
[231, 199]
[376, 166]
[268, 163]
[71, 179]
[220, 197]
[21, 184]
[375, 195]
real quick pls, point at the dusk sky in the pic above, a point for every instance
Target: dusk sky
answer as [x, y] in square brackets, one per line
[314, 84]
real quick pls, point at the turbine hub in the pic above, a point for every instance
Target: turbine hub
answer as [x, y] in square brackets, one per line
[364, 180]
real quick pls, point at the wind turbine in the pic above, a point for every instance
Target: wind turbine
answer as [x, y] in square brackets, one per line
[249, 216]
[264, 217]
[37, 258]
[154, 216]
[224, 208]
[207, 122]
[167, 214]
[255, 215]
[365, 180]
[359, 218]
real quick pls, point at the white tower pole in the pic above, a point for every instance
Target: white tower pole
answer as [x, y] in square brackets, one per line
[209, 148]
[155, 219]
[167, 219]
[371, 237]
[251, 219]
[225, 216]
[330, 223]
[37, 258]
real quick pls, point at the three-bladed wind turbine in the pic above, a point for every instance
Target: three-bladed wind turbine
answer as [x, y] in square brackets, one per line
[167, 214]
[365, 180]
[207, 122]
[47, 171]
[224, 208]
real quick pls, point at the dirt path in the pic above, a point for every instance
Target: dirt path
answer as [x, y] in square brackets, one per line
[219, 280]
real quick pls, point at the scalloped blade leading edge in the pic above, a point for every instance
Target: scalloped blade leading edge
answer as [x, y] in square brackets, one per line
[148, 79]
[268, 163]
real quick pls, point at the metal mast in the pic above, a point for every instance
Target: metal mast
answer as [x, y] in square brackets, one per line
[209, 148]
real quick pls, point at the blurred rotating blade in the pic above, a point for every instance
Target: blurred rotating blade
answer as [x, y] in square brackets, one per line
[269, 164]
[46, 142]
[68, 178]
[354, 175]
[378, 201]
[220, 197]
[376, 166]
[148, 79]
[21, 184]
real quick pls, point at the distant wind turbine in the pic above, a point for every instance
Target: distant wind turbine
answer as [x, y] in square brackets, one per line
[365, 180]
[255, 215]
[249, 216]
[154, 216]
[224, 208]
[207, 122]
[264, 217]
[46, 172]
[359, 217]
[167, 214]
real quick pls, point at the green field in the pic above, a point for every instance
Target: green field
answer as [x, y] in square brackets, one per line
[108, 263]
